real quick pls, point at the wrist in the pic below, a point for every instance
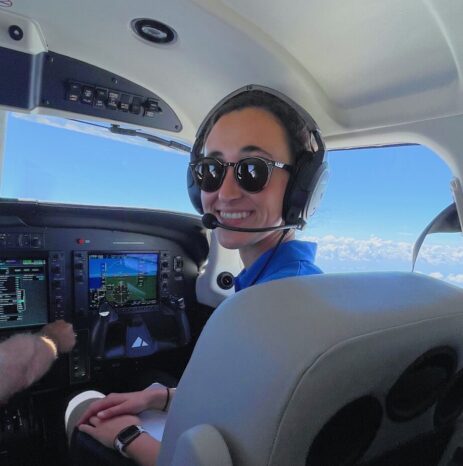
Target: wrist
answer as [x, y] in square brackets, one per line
[154, 398]
[132, 449]
[126, 437]
[157, 398]
[51, 344]
[165, 406]
[169, 396]
[144, 450]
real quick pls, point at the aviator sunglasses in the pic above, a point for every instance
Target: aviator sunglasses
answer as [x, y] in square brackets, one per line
[251, 173]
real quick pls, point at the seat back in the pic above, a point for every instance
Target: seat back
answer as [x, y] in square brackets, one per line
[328, 369]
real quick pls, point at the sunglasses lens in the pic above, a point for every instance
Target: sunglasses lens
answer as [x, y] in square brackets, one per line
[209, 174]
[252, 174]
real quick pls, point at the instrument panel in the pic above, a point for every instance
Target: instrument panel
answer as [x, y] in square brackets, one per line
[126, 293]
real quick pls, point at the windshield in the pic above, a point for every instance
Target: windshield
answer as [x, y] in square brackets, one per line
[377, 203]
[58, 160]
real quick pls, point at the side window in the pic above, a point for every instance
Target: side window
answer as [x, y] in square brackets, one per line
[377, 203]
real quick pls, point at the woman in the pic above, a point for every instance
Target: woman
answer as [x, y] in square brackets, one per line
[257, 165]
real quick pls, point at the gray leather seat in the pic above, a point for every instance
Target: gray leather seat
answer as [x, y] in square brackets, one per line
[314, 370]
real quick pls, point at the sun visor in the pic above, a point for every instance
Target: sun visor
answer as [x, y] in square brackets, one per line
[446, 222]
[457, 192]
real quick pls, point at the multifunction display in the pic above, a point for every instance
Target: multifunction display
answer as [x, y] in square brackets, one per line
[123, 280]
[23, 292]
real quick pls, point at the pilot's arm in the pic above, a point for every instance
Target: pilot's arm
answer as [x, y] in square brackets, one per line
[24, 358]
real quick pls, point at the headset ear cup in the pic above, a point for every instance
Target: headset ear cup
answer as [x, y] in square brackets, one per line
[193, 189]
[194, 192]
[306, 185]
[290, 211]
[317, 191]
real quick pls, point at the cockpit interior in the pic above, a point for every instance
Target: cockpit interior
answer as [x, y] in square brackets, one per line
[369, 362]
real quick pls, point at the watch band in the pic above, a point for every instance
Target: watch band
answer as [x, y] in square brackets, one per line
[126, 436]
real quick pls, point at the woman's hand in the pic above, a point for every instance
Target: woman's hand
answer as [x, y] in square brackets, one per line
[117, 404]
[144, 450]
[105, 432]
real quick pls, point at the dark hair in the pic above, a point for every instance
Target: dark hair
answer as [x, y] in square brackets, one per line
[296, 130]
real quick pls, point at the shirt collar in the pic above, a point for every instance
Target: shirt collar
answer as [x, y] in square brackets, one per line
[288, 251]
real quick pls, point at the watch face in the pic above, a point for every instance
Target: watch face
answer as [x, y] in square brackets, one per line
[127, 434]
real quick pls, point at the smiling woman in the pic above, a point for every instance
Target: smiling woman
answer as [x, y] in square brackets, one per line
[230, 139]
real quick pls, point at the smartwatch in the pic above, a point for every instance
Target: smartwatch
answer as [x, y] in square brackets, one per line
[125, 437]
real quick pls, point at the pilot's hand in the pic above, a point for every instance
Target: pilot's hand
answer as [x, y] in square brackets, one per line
[116, 404]
[106, 431]
[62, 335]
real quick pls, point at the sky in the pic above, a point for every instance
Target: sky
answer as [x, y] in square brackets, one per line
[377, 203]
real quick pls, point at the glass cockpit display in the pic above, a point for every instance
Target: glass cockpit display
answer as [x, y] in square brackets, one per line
[23, 292]
[123, 280]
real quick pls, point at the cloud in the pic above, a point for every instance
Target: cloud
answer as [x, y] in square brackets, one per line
[455, 278]
[343, 248]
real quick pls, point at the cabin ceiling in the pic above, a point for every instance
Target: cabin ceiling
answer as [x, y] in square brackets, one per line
[355, 65]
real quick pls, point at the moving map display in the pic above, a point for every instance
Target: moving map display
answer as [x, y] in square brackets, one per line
[123, 280]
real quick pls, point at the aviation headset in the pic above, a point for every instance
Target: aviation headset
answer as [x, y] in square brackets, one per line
[308, 179]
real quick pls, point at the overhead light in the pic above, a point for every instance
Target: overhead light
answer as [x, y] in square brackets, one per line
[153, 31]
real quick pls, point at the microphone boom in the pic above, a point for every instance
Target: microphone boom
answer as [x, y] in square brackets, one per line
[211, 222]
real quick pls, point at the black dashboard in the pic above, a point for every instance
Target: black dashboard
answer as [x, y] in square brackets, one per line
[125, 278]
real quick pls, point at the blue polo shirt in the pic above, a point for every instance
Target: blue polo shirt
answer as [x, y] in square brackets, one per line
[291, 259]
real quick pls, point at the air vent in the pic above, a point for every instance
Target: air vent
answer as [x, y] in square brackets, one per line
[154, 31]
[419, 386]
[347, 435]
[450, 405]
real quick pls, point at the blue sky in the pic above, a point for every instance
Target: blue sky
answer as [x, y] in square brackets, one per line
[377, 203]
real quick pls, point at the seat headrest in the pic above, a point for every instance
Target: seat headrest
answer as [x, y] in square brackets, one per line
[278, 361]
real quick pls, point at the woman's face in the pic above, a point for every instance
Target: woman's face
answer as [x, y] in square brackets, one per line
[246, 133]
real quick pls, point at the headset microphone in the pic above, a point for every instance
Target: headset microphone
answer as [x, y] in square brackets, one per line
[210, 222]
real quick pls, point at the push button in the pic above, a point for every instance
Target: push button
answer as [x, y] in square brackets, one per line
[151, 108]
[100, 98]
[56, 284]
[24, 241]
[136, 106]
[113, 99]
[74, 91]
[87, 95]
[36, 241]
[124, 103]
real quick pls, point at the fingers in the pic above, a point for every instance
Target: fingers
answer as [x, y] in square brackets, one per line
[88, 429]
[95, 421]
[67, 337]
[86, 416]
[92, 410]
[113, 411]
[101, 405]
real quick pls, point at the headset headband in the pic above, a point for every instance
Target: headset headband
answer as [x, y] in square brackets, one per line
[316, 145]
